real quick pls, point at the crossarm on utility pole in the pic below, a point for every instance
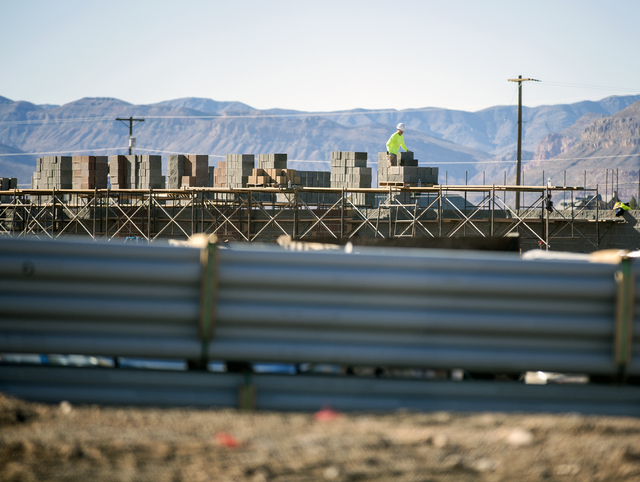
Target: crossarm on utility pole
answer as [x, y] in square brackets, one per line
[131, 121]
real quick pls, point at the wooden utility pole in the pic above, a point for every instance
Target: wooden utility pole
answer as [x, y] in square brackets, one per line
[130, 120]
[519, 80]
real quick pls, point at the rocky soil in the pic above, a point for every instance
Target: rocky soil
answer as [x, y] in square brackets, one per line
[40, 442]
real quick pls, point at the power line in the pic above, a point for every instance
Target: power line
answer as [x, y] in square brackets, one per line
[588, 86]
[59, 120]
[61, 152]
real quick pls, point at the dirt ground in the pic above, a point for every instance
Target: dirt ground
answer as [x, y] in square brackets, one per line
[40, 442]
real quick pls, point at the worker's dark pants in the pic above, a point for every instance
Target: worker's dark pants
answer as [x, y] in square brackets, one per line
[619, 212]
[393, 159]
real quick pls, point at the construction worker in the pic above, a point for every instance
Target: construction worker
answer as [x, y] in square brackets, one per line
[619, 208]
[394, 143]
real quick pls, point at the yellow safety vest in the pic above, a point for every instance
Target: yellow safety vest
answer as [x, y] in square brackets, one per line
[395, 141]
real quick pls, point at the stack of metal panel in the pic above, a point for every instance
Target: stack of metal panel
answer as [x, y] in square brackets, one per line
[90, 172]
[483, 312]
[479, 311]
[53, 172]
[190, 170]
[349, 170]
[76, 297]
[238, 170]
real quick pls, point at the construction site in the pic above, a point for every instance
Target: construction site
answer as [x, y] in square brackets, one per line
[257, 198]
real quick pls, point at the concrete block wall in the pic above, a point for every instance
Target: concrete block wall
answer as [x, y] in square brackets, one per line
[53, 172]
[349, 170]
[238, 170]
[188, 170]
[90, 172]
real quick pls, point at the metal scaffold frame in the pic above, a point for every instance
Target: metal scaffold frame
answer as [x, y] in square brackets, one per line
[251, 214]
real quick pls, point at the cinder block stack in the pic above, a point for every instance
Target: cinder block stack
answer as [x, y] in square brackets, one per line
[90, 172]
[273, 177]
[53, 172]
[6, 184]
[272, 161]
[175, 171]
[220, 175]
[316, 179]
[119, 172]
[191, 170]
[136, 172]
[406, 173]
[349, 170]
[146, 172]
[239, 168]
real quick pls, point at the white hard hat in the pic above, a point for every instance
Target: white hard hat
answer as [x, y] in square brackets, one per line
[400, 127]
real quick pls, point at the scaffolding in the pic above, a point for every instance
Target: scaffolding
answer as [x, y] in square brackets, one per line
[264, 214]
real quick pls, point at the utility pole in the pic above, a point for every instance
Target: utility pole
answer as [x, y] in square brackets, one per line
[519, 80]
[130, 120]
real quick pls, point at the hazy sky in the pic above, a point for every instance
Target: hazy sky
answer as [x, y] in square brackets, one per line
[320, 55]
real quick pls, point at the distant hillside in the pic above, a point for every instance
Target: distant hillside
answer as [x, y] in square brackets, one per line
[610, 143]
[464, 145]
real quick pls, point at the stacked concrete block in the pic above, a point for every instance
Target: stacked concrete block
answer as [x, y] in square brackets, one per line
[349, 170]
[220, 175]
[6, 184]
[146, 172]
[119, 172]
[316, 179]
[271, 161]
[239, 168]
[53, 172]
[90, 172]
[191, 170]
[136, 172]
[273, 178]
[406, 173]
[175, 171]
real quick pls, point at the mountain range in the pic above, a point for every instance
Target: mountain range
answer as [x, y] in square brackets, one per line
[471, 147]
